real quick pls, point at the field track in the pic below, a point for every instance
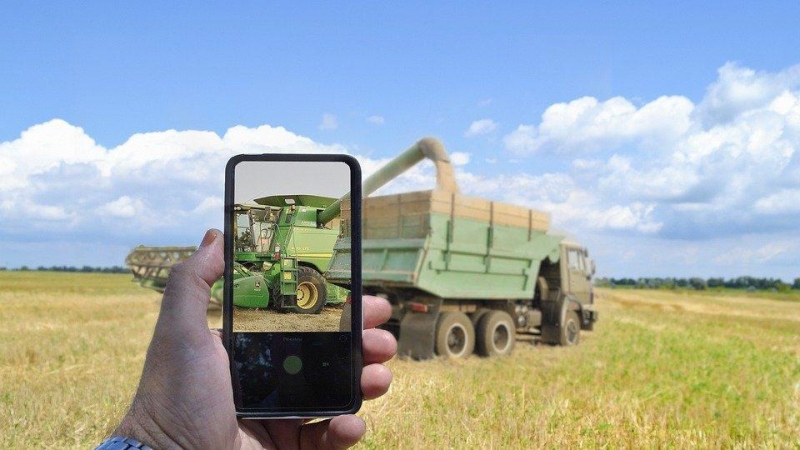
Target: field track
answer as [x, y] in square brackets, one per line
[662, 369]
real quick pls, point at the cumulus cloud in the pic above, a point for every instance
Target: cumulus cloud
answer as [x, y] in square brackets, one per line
[586, 125]
[329, 122]
[479, 127]
[459, 158]
[650, 173]
[783, 201]
[57, 183]
[377, 120]
[739, 89]
[124, 207]
[726, 164]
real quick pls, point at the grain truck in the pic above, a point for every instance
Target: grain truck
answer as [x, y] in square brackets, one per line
[465, 274]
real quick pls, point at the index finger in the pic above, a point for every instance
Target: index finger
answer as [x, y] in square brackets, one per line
[376, 311]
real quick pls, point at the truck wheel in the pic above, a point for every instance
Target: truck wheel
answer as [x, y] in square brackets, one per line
[496, 334]
[311, 291]
[475, 317]
[570, 329]
[455, 336]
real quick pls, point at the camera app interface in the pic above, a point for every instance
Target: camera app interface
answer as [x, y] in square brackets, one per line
[291, 316]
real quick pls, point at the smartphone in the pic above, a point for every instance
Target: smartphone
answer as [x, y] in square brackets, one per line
[292, 304]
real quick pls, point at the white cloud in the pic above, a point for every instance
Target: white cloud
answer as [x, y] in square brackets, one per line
[43, 148]
[783, 201]
[728, 164]
[571, 205]
[58, 183]
[156, 188]
[479, 127]
[210, 204]
[459, 158]
[329, 122]
[586, 125]
[124, 207]
[739, 89]
[758, 254]
[377, 120]
[618, 172]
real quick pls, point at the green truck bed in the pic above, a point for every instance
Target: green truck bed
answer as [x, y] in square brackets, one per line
[448, 245]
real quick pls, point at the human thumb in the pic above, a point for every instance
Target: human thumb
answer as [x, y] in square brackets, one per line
[188, 290]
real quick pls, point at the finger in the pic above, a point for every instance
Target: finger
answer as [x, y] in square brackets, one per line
[188, 290]
[376, 311]
[378, 346]
[338, 433]
[375, 381]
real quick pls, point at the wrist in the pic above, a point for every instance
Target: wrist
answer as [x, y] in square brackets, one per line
[121, 443]
[139, 425]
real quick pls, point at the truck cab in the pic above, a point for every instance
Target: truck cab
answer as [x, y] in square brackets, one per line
[577, 270]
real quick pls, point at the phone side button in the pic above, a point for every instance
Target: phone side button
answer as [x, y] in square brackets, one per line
[292, 364]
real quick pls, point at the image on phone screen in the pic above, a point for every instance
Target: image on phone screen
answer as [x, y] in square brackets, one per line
[292, 323]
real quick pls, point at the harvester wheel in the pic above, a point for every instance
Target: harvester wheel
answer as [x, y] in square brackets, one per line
[455, 336]
[496, 334]
[571, 329]
[311, 291]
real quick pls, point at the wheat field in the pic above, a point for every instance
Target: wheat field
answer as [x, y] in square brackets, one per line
[662, 369]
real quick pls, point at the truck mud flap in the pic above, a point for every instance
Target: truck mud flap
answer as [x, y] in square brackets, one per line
[552, 312]
[418, 333]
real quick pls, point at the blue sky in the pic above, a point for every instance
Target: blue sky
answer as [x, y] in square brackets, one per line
[663, 135]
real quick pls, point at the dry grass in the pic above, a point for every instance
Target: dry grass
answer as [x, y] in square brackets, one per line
[253, 319]
[72, 347]
[663, 369]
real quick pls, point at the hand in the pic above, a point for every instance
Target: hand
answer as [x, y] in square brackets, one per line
[185, 398]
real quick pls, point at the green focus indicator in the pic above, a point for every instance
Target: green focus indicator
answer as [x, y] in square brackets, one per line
[292, 364]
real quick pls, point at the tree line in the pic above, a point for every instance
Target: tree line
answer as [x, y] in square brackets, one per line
[83, 269]
[743, 282]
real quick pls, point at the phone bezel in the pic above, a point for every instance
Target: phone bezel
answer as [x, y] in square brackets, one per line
[356, 321]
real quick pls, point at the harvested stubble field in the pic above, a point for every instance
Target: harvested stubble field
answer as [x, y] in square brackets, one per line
[662, 369]
[253, 319]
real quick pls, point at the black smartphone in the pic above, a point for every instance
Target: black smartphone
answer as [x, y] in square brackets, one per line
[292, 289]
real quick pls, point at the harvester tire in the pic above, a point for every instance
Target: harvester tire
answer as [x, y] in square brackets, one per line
[570, 329]
[496, 334]
[455, 335]
[311, 291]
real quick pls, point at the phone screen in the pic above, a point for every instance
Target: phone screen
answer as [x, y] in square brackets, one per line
[292, 309]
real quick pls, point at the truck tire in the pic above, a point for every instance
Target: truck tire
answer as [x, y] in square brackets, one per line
[475, 317]
[311, 291]
[455, 336]
[571, 329]
[496, 334]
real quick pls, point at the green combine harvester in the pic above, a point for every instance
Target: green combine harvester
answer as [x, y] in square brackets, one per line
[281, 250]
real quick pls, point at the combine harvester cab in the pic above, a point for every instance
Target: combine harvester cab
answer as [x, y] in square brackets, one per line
[465, 274]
